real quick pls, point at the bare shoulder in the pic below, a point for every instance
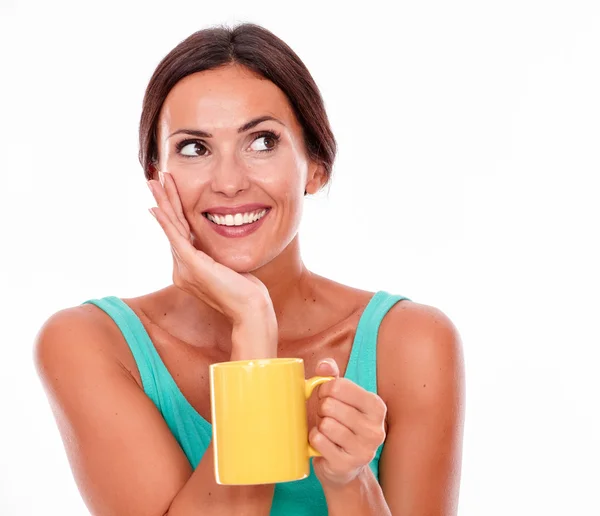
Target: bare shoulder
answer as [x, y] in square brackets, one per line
[67, 324]
[73, 338]
[112, 432]
[407, 321]
[420, 357]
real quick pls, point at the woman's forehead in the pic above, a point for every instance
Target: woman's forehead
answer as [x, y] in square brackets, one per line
[223, 98]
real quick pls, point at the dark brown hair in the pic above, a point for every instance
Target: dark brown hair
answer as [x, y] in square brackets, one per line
[259, 50]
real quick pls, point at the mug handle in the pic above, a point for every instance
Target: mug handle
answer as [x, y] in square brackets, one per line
[309, 386]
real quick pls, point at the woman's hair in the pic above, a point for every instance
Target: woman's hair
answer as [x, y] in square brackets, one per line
[257, 49]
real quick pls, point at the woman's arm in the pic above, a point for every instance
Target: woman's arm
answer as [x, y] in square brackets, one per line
[122, 454]
[421, 385]
[421, 377]
[362, 496]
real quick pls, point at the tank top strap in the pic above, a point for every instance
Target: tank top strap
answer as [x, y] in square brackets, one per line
[191, 430]
[145, 355]
[362, 364]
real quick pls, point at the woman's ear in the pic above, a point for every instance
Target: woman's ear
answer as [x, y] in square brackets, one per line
[316, 179]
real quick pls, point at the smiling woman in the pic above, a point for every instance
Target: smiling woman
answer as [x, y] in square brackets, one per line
[208, 119]
[222, 130]
[233, 135]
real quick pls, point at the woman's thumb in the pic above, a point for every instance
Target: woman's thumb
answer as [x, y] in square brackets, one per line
[327, 367]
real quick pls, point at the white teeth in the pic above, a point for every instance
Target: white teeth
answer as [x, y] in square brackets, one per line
[236, 220]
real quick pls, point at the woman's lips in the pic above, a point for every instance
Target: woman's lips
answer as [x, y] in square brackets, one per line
[238, 231]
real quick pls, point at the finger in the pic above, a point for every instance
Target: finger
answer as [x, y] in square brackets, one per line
[354, 395]
[187, 253]
[339, 434]
[326, 447]
[366, 430]
[164, 202]
[343, 413]
[173, 195]
[179, 244]
[165, 205]
[327, 367]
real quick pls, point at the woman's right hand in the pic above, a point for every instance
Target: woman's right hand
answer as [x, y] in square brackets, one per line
[241, 297]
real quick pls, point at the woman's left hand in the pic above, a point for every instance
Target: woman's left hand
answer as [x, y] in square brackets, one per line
[350, 427]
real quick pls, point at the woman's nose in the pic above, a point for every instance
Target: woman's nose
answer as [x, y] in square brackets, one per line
[230, 176]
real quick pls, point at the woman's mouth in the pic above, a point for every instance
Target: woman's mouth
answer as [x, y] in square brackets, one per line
[238, 219]
[238, 224]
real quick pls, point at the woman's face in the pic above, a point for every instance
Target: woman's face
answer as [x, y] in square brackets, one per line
[217, 163]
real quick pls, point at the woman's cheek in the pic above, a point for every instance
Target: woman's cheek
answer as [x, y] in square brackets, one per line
[280, 172]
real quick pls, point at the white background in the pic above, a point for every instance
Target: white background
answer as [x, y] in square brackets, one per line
[466, 179]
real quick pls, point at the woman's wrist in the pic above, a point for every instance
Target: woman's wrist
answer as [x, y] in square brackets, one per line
[202, 495]
[255, 336]
[361, 496]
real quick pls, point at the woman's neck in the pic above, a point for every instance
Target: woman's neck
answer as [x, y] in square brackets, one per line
[290, 286]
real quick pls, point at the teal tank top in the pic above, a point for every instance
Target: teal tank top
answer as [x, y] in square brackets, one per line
[193, 433]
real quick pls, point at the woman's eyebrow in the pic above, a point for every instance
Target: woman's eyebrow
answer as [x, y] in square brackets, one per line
[246, 127]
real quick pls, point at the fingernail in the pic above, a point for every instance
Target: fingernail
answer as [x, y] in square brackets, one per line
[327, 361]
[150, 186]
[161, 177]
[151, 210]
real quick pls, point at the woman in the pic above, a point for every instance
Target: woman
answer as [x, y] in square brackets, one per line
[233, 135]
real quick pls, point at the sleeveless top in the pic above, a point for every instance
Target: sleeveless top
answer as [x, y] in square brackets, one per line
[193, 433]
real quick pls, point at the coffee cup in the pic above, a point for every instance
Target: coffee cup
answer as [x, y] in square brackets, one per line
[259, 422]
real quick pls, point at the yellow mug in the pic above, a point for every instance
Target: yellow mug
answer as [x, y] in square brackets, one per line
[259, 424]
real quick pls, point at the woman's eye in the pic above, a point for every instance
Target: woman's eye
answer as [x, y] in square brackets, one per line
[192, 149]
[265, 143]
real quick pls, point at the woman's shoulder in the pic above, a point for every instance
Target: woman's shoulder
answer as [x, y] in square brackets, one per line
[417, 344]
[413, 315]
[408, 327]
[83, 320]
[89, 318]
[81, 335]
[419, 354]
[412, 330]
